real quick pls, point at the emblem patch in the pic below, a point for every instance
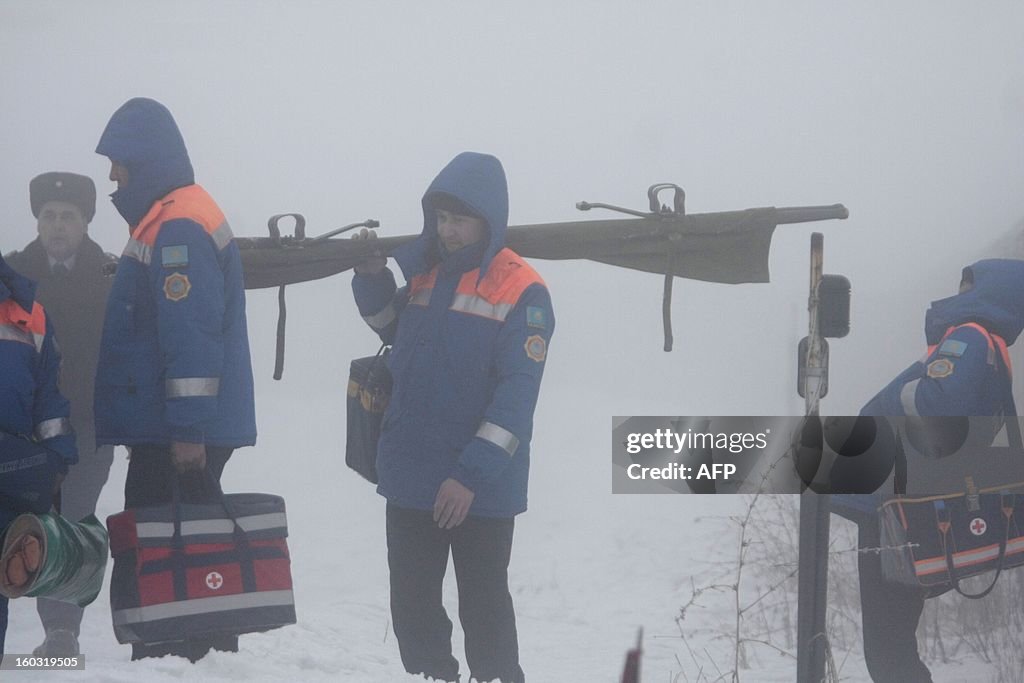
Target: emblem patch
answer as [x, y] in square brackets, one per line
[953, 347]
[174, 257]
[978, 526]
[535, 317]
[214, 580]
[536, 348]
[177, 286]
[942, 367]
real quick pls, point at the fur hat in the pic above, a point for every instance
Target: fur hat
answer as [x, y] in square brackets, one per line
[61, 186]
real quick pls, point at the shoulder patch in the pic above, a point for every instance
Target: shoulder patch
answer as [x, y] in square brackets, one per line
[535, 317]
[953, 347]
[536, 348]
[939, 368]
[174, 257]
[177, 286]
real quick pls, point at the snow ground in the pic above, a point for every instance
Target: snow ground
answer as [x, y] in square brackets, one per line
[588, 567]
[584, 576]
[333, 109]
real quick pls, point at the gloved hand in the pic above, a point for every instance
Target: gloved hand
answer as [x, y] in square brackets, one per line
[371, 265]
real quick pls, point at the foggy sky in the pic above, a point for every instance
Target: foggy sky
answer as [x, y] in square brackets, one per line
[912, 116]
[909, 113]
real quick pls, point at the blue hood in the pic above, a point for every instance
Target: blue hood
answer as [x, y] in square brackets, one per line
[143, 137]
[996, 302]
[15, 286]
[477, 180]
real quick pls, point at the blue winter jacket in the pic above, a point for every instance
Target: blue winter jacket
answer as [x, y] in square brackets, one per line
[470, 334]
[963, 374]
[174, 360]
[31, 404]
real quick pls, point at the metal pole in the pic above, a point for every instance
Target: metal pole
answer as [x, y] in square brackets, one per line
[812, 581]
[812, 564]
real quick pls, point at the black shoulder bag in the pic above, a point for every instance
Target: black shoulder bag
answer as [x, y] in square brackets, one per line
[369, 390]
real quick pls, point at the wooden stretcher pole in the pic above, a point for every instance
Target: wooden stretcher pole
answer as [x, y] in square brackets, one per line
[815, 357]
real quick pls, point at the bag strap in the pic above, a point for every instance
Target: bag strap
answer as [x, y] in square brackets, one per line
[1003, 540]
[379, 361]
[1013, 435]
[900, 465]
[179, 560]
[1002, 360]
[246, 558]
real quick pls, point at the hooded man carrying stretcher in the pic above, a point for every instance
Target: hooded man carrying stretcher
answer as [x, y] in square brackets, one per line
[469, 335]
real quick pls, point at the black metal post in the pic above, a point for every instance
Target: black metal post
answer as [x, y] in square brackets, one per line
[812, 564]
[812, 582]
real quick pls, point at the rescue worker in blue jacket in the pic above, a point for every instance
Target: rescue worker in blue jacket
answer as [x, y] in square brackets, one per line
[174, 380]
[68, 268]
[965, 372]
[469, 335]
[31, 405]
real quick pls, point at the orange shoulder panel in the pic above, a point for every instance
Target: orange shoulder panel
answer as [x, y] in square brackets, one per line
[34, 322]
[507, 278]
[423, 281]
[994, 342]
[191, 202]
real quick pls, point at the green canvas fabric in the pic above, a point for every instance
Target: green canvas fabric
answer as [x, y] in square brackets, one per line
[73, 561]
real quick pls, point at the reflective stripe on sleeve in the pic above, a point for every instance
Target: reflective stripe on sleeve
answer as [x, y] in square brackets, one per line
[499, 436]
[19, 334]
[222, 236]
[907, 398]
[421, 297]
[379, 321]
[475, 305]
[138, 251]
[183, 387]
[57, 426]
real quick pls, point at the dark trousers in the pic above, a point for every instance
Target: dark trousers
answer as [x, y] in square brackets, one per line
[3, 624]
[890, 613]
[6, 517]
[78, 496]
[417, 559]
[150, 481]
